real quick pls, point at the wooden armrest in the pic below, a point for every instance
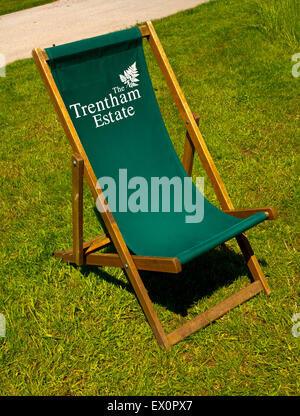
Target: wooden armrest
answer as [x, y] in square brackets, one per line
[246, 212]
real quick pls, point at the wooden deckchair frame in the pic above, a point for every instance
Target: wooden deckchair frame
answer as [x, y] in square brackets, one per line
[86, 252]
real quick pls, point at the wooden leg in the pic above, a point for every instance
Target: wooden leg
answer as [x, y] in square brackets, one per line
[147, 307]
[77, 207]
[252, 262]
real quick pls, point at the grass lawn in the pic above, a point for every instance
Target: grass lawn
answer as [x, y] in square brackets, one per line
[80, 331]
[10, 6]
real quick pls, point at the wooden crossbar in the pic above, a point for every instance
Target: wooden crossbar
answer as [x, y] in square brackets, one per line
[214, 313]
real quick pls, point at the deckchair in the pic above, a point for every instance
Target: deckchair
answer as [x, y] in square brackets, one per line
[103, 94]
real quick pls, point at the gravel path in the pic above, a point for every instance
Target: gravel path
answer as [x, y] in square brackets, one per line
[69, 20]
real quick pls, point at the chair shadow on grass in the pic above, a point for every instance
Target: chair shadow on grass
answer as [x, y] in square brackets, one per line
[200, 278]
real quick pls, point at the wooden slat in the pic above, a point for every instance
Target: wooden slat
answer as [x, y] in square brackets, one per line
[189, 150]
[77, 207]
[214, 313]
[246, 212]
[188, 119]
[202, 150]
[40, 58]
[110, 223]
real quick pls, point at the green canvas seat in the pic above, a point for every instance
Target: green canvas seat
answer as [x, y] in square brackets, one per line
[140, 144]
[102, 91]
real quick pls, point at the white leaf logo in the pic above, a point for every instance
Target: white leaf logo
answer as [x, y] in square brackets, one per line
[130, 76]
